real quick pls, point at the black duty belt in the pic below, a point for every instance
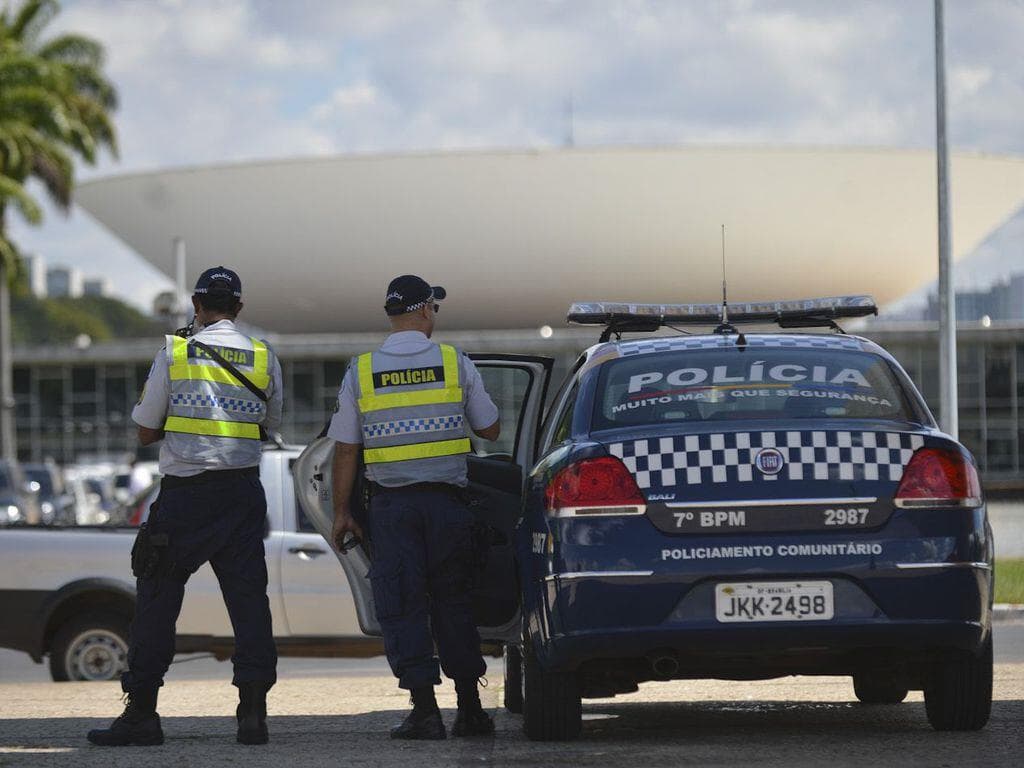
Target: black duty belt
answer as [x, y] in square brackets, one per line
[210, 476]
[376, 488]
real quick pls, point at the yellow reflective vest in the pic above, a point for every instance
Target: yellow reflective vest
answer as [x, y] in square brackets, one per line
[207, 399]
[413, 414]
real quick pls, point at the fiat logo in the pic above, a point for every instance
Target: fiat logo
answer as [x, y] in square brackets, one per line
[769, 461]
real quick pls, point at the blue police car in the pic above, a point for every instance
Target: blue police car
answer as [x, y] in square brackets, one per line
[724, 505]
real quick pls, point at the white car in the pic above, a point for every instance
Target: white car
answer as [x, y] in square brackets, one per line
[69, 595]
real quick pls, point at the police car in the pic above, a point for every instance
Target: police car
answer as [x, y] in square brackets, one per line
[725, 505]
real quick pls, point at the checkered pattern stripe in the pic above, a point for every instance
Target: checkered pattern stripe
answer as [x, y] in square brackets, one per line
[232, 404]
[729, 458]
[675, 344]
[413, 426]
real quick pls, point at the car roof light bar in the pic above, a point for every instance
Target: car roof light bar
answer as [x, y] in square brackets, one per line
[649, 317]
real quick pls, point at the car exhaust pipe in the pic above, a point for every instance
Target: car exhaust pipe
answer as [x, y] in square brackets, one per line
[665, 665]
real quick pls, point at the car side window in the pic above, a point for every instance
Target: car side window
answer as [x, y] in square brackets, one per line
[302, 523]
[508, 387]
[556, 415]
[563, 428]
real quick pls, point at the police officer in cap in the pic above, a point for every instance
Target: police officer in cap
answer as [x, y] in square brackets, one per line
[211, 507]
[407, 409]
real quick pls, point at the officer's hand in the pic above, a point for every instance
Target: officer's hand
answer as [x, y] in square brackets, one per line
[344, 524]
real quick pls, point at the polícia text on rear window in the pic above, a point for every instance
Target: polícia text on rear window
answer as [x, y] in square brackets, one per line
[740, 384]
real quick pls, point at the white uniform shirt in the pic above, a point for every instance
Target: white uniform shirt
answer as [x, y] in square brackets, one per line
[151, 410]
[346, 424]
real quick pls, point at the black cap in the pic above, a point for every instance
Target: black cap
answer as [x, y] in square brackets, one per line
[408, 293]
[219, 280]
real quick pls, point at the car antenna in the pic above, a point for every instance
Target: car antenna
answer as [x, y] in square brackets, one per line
[725, 326]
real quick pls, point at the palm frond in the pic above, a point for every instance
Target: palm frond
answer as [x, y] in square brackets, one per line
[33, 17]
[73, 49]
[88, 81]
[14, 193]
[57, 179]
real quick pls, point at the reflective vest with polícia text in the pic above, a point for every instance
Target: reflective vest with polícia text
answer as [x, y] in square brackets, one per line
[413, 417]
[206, 399]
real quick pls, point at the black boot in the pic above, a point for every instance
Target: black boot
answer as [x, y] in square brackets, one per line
[138, 725]
[470, 720]
[252, 713]
[424, 722]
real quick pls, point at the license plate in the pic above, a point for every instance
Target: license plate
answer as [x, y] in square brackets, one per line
[774, 601]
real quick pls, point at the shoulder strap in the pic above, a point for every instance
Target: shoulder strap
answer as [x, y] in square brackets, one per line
[230, 369]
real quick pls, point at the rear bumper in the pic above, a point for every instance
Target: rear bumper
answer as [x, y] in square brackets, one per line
[883, 617]
[749, 651]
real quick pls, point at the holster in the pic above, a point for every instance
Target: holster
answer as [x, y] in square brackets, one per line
[149, 553]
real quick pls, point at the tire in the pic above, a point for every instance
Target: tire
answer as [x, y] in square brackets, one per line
[513, 698]
[552, 708]
[958, 696]
[90, 647]
[876, 689]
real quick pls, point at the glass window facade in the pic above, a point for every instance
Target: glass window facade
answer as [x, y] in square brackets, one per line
[69, 408]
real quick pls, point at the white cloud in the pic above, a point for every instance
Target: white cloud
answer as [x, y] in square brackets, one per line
[359, 94]
[967, 81]
[206, 81]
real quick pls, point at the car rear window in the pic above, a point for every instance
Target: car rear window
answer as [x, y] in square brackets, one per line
[43, 477]
[734, 384]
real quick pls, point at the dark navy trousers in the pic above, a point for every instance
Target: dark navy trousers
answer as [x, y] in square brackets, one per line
[222, 522]
[422, 576]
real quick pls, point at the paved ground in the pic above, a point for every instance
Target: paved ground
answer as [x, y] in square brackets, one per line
[1007, 518]
[336, 713]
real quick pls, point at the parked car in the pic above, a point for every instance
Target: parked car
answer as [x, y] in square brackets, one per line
[67, 595]
[56, 505]
[725, 505]
[18, 501]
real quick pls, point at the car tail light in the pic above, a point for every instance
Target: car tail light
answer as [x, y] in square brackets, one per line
[939, 478]
[600, 486]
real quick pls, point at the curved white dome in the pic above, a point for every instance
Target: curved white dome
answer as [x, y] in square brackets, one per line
[516, 236]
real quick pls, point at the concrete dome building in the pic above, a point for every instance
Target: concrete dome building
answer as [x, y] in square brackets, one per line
[515, 236]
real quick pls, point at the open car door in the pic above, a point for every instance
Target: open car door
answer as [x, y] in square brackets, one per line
[496, 470]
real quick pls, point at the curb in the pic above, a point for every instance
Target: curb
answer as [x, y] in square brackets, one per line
[1008, 612]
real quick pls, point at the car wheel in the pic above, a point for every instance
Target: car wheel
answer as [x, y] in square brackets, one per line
[875, 689]
[552, 708]
[958, 695]
[513, 680]
[92, 647]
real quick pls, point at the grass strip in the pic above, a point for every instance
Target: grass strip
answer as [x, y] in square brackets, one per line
[1010, 580]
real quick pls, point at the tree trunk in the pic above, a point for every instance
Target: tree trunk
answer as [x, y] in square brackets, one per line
[8, 448]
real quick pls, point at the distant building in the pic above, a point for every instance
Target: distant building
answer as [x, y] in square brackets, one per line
[35, 269]
[63, 282]
[1001, 301]
[97, 286]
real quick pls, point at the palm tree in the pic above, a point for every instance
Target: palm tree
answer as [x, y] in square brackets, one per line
[55, 105]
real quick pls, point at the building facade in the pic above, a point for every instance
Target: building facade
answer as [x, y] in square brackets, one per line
[73, 405]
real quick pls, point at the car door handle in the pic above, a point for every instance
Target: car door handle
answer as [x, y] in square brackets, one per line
[307, 552]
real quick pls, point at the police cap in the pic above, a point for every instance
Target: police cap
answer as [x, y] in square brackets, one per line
[407, 293]
[219, 280]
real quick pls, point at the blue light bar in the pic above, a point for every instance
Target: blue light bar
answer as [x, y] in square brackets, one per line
[795, 311]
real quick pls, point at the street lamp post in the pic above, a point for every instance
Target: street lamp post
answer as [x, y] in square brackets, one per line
[948, 416]
[8, 449]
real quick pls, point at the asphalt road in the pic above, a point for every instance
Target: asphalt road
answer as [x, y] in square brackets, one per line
[337, 712]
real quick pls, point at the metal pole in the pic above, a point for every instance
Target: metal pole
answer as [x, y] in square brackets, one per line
[948, 416]
[182, 307]
[8, 446]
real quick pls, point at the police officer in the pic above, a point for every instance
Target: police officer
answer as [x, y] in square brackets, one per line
[211, 508]
[406, 408]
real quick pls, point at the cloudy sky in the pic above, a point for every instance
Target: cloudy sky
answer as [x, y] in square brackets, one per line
[215, 81]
